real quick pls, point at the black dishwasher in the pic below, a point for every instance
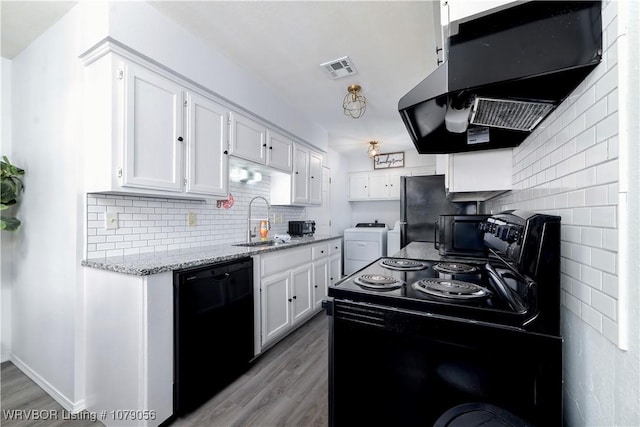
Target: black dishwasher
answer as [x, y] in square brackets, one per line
[213, 324]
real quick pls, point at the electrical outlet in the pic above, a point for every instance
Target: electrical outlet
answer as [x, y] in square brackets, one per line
[111, 220]
[192, 220]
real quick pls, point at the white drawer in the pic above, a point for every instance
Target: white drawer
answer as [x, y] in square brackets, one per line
[320, 250]
[284, 259]
[362, 250]
[335, 247]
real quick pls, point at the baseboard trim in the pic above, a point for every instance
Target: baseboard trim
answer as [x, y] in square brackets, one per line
[67, 404]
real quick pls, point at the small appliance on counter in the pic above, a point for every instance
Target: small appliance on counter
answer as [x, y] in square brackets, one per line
[302, 228]
[461, 235]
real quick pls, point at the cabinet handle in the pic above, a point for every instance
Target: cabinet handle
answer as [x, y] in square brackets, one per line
[225, 152]
[294, 297]
[438, 50]
[270, 148]
[331, 278]
[180, 139]
[311, 177]
[315, 286]
[296, 173]
[264, 145]
[321, 252]
[290, 300]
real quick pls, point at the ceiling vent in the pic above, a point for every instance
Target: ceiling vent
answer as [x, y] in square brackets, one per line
[340, 67]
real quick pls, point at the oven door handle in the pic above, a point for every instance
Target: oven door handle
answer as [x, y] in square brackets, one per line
[436, 234]
[504, 290]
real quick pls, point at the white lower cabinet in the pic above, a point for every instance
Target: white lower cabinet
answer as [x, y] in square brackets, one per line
[129, 346]
[320, 281]
[293, 283]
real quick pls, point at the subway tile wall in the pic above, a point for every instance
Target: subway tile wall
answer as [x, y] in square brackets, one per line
[147, 224]
[569, 167]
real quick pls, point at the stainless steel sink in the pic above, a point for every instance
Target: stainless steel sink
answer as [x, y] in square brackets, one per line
[261, 243]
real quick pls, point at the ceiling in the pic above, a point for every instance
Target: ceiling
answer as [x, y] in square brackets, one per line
[283, 43]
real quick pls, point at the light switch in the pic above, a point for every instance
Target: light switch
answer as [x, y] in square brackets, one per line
[192, 220]
[111, 220]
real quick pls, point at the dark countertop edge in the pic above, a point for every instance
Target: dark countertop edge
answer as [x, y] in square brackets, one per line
[134, 266]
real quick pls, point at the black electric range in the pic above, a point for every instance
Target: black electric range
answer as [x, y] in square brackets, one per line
[435, 335]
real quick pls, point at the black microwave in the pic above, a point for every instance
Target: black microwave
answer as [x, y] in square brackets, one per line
[460, 235]
[302, 228]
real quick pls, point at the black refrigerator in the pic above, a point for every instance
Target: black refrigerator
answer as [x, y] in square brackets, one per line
[422, 200]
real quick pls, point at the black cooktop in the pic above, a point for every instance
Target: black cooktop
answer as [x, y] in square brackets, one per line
[467, 289]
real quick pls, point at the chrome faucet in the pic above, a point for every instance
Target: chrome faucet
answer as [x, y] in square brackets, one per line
[249, 235]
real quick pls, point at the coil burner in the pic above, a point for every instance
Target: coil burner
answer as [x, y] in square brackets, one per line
[378, 282]
[403, 264]
[451, 289]
[455, 268]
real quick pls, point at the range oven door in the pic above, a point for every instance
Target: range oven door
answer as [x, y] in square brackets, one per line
[401, 368]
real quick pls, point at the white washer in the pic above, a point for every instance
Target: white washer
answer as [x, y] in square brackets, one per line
[363, 244]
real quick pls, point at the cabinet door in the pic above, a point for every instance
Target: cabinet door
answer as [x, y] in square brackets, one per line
[301, 293]
[489, 170]
[320, 281]
[358, 187]
[248, 139]
[206, 147]
[300, 175]
[279, 151]
[153, 127]
[276, 308]
[335, 269]
[378, 186]
[393, 180]
[315, 178]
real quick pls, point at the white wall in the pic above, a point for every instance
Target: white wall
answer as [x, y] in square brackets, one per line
[6, 238]
[582, 164]
[340, 206]
[45, 133]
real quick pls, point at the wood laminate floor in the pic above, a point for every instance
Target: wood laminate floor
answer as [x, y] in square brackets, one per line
[286, 386]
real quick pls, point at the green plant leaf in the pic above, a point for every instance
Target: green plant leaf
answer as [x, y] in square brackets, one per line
[9, 224]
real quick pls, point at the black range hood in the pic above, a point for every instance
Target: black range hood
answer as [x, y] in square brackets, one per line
[505, 72]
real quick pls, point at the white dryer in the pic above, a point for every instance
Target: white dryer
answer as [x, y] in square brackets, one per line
[363, 244]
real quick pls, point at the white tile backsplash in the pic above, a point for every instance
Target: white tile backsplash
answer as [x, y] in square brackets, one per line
[147, 224]
[569, 167]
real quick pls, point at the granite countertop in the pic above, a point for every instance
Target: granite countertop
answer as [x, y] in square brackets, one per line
[159, 262]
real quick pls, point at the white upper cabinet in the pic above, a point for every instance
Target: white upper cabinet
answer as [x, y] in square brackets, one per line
[279, 151]
[300, 175]
[315, 178]
[247, 139]
[477, 175]
[153, 130]
[207, 166]
[147, 132]
[375, 185]
[303, 186]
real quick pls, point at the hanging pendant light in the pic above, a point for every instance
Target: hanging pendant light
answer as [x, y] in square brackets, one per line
[374, 149]
[354, 104]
